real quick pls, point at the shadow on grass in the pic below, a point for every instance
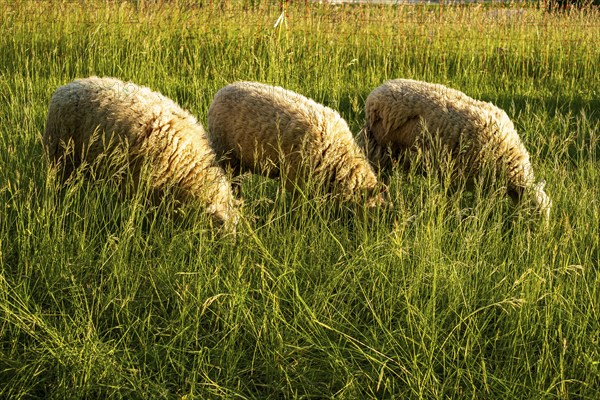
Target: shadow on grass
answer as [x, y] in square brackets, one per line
[571, 124]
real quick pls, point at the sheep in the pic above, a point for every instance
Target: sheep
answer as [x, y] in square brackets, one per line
[406, 117]
[92, 118]
[275, 132]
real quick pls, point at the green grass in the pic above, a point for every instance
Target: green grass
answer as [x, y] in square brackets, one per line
[447, 295]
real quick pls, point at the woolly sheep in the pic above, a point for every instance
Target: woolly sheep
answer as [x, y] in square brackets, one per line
[276, 132]
[404, 117]
[91, 118]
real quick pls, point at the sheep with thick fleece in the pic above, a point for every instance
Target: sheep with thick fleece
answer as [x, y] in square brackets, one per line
[92, 118]
[405, 117]
[276, 132]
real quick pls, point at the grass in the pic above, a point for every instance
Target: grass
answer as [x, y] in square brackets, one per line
[447, 295]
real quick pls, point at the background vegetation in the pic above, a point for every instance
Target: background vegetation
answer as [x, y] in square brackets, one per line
[447, 295]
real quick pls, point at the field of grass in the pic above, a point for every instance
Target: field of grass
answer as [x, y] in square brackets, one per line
[447, 295]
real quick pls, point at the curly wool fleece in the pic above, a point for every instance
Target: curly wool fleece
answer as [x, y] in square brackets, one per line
[406, 116]
[277, 132]
[93, 117]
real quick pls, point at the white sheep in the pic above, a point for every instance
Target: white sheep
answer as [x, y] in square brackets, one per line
[92, 118]
[405, 117]
[276, 132]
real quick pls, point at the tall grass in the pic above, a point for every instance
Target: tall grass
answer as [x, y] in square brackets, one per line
[447, 295]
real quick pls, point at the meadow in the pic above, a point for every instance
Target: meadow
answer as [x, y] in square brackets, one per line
[445, 295]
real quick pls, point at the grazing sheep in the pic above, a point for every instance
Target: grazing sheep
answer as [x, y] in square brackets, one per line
[404, 117]
[276, 132]
[92, 118]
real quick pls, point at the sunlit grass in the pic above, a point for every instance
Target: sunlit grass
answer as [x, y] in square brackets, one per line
[445, 295]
